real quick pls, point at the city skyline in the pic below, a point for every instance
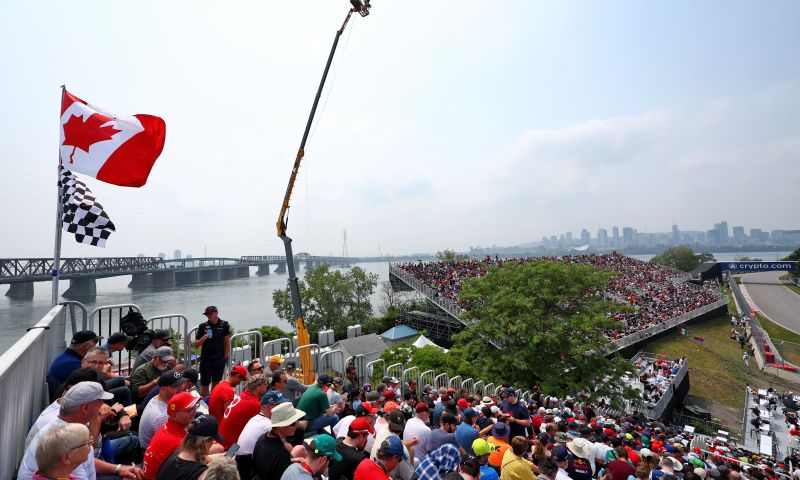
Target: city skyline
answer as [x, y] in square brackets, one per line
[437, 129]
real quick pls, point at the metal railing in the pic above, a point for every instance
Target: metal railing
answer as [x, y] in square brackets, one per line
[104, 321]
[469, 385]
[455, 382]
[307, 377]
[441, 381]
[245, 347]
[178, 324]
[445, 304]
[410, 374]
[426, 378]
[25, 364]
[75, 324]
[395, 370]
[279, 346]
[333, 361]
[373, 371]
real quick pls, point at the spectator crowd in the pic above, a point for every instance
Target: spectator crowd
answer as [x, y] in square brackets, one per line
[657, 293]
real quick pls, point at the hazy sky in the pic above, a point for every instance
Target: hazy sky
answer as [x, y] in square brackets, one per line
[448, 124]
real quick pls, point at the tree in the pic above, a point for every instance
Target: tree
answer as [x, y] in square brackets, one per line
[269, 332]
[543, 323]
[330, 299]
[450, 256]
[390, 297]
[794, 257]
[681, 257]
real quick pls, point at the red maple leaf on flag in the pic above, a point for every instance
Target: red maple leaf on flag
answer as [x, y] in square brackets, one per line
[83, 134]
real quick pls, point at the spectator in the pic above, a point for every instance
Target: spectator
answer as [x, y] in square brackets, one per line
[116, 343]
[214, 339]
[321, 451]
[272, 452]
[514, 464]
[181, 410]
[519, 417]
[294, 388]
[70, 359]
[319, 413]
[145, 378]
[579, 466]
[243, 407]
[443, 435]
[439, 462]
[390, 453]
[255, 428]
[620, 468]
[160, 339]
[222, 469]
[223, 392]
[482, 450]
[170, 383]
[561, 456]
[190, 461]
[97, 359]
[499, 439]
[61, 450]
[418, 426]
[273, 365]
[352, 449]
[351, 379]
[548, 469]
[256, 368]
[467, 432]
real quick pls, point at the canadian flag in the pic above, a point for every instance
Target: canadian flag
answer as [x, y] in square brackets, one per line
[115, 149]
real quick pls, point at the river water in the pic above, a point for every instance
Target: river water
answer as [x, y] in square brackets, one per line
[244, 302]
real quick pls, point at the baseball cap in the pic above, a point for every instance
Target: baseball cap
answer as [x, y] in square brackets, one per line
[191, 375]
[700, 472]
[393, 446]
[389, 394]
[422, 407]
[325, 445]
[239, 370]
[84, 392]
[366, 388]
[209, 309]
[385, 378]
[365, 409]
[560, 452]
[361, 425]
[462, 403]
[373, 396]
[396, 417]
[119, 337]
[273, 397]
[324, 379]
[500, 430]
[562, 437]
[394, 380]
[470, 413]
[338, 381]
[171, 378]
[482, 447]
[275, 359]
[164, 353]
[390, 407]
[182, 401]
[290, 365]
[83, 336]
[161, 335]
[494, 408]
[511, 392]
[206, 426]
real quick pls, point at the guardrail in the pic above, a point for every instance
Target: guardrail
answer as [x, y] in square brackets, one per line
[759, 335]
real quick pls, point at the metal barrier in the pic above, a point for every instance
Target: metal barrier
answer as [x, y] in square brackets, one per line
[372, 370]
[409, 374]
[488, 389]
[70, 312]
[279, 346]
[25, 364]
[245, 347]
[332, 360]
[182, 324]
[469, 384]
[104, 320]
[455, 383]
[441, 381]
[360, 362]
[307, 377]
[445, 304]
[497, 391]
[426, 378]
[395, 370]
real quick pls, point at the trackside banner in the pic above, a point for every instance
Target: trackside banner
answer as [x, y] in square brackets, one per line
[757, 266]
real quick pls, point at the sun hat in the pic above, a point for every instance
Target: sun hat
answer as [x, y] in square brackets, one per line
[500, 430]
[579, 446]
[285, 414]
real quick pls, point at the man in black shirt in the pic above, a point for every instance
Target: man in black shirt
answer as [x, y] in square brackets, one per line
[351, 448]
[520, 418]
[214, 338]
[271, 454]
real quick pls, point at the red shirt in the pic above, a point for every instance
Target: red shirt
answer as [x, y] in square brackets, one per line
[369, 470]
[165, 441]
[222, 393]
[239, 412]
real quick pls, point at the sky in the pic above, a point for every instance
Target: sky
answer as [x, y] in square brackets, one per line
[443, 125]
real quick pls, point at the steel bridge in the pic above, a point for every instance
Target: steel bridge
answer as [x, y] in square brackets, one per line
[21, 273]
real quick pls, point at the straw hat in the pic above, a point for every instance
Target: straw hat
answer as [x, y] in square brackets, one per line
[285, 414]
[579, 446]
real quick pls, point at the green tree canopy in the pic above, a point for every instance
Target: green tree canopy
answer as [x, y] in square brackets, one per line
[681, 257]
[331, 299]
[542, 323]
[450, 256]
[794, 256]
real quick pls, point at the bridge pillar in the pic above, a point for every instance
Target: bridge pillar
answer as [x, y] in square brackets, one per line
[211, 275]
[20, 290]
[243, 272]
[81, 287]
[281, 268]
[164, 279]
[187, 278]
[263, 269]
[141, 280]
[226, 273]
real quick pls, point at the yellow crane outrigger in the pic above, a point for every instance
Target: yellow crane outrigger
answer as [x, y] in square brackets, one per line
[362, 8]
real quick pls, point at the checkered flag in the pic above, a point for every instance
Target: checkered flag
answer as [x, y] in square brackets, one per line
[83, 215]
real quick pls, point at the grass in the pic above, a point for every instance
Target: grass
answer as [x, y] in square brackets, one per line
[791, 286]
[789, 351]
[717, 374]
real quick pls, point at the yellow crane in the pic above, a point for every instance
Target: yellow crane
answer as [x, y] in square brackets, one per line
[362, 8]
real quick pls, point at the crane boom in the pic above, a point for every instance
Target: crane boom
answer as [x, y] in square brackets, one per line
[303, 340]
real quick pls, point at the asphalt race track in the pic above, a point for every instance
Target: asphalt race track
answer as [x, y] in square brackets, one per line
[773, 299]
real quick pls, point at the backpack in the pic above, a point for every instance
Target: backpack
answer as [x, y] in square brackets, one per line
[132, 324]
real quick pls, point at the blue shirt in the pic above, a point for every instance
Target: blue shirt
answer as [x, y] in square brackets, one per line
[436, 417]
[465, 435]
[488, 473]
[64, 364]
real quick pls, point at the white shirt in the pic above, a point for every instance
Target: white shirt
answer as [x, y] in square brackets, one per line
[153, 417]
[28, 467]
[416, 427]
[562, 475]
[255, 427]
[340, 429]
[49, 414]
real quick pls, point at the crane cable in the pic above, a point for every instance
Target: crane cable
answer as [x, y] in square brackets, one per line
[314, 129]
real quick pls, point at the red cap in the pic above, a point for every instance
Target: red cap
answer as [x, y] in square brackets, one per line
[238, 369]
[422, 407]
[389, 394]
[389, 406]
[462, 403]
[361, 425]
[451, 390]
[182, 401]
[445, 397]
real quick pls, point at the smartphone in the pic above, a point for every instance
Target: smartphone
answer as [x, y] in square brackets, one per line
[232, 451]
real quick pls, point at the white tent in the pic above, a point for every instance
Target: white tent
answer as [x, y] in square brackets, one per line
[422, 341]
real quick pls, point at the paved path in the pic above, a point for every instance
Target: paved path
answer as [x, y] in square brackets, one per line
[773, 299]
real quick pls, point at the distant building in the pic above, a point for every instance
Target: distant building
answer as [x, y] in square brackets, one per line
[370, 345]
[676, 235]
[162, 255]
[722, 235]
[738, 235]
[140, 255]
[568, 238]
[602, 236]
[759, 236]
[629, 236]
[615, 235]
[586, 238]
[177, 254]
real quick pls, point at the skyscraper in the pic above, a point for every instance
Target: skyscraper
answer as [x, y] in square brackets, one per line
[615, 235]
[676, 235]
[628, 235]
[722, 232]
[738, 235]
[585, 237]
[602, 236]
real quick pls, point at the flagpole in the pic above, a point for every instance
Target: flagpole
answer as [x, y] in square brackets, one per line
[59, 209]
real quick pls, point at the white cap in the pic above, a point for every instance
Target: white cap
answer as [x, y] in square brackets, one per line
[84, 392]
